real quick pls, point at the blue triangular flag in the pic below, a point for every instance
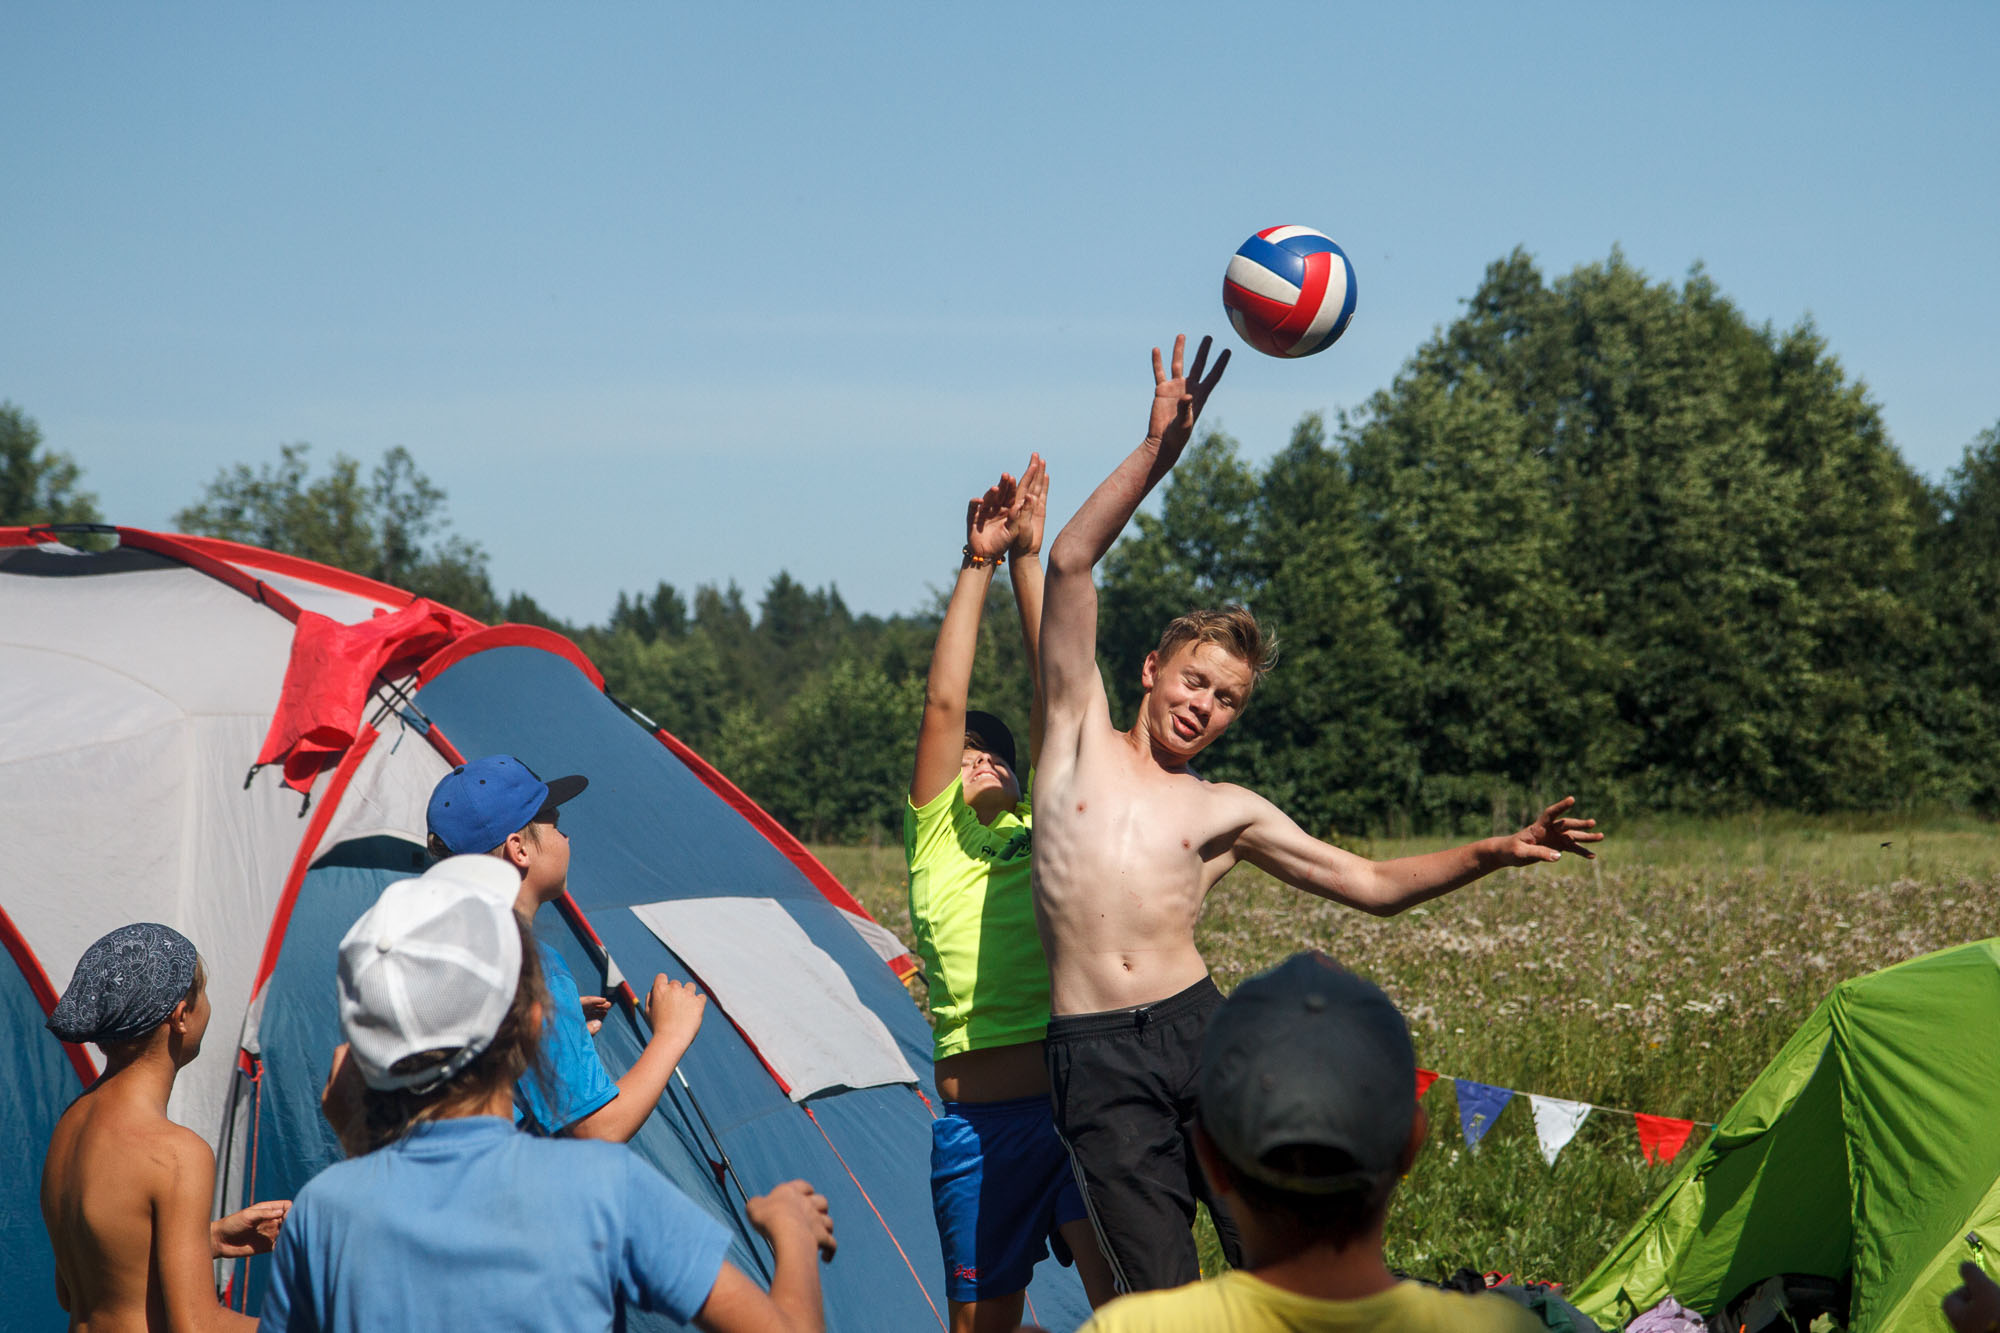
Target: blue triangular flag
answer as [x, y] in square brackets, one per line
[1478, 1107]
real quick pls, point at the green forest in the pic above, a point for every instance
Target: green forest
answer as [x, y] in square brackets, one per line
[1601, 535]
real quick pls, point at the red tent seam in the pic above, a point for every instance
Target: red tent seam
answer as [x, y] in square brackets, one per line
[322, 815]
[44, 992]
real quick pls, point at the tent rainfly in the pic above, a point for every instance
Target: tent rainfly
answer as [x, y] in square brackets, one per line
[1868, 1149]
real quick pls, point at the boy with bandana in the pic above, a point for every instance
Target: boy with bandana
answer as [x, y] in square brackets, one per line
[126, 1191]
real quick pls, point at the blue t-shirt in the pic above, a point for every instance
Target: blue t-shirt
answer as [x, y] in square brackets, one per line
[574, 1082]
[468, 1223]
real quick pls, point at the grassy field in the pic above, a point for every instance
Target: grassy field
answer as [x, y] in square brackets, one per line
[1659, 978]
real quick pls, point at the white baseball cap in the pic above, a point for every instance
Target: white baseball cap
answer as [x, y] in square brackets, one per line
[433, 965]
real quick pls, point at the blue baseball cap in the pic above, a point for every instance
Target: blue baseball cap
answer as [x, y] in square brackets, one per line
[477, 805]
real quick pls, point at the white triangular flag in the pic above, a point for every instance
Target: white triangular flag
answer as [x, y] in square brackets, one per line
[1556, 1123]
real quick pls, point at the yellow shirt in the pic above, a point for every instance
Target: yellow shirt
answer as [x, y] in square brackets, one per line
[1241, 1302]
[973, 910]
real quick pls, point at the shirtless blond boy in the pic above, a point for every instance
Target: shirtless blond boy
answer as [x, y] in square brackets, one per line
[126, 1191]
[1128, 844]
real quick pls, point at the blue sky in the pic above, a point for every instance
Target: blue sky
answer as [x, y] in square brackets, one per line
[700, 294]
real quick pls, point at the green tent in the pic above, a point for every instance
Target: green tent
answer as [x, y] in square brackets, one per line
[1870, 1147]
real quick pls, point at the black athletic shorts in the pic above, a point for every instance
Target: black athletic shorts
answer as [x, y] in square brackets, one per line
[1123, 1083]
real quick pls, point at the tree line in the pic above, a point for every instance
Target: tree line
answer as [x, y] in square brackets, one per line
[1601, 534]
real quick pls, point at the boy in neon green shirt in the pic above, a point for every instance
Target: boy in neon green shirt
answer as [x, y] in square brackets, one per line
[1001, 1183]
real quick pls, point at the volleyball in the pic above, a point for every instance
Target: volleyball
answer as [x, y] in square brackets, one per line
[1289, 291]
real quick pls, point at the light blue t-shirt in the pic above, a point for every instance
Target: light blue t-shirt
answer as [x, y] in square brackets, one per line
[469, 1223]
[573, 1081]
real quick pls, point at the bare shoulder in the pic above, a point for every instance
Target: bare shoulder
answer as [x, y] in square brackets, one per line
[168, 1156]
[1231, 805]
[186, 1145]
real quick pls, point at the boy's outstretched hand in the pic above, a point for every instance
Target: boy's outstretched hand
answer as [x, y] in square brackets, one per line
[252, 1230]
[1550, 836]
[1179, 398]
[1030, 509]
[989, 530]
[796, 1209]
[674, 1008]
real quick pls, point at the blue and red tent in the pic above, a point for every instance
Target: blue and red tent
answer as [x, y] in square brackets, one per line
[240, 744]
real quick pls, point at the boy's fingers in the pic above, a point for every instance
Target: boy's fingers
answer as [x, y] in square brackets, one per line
[1159, 371]
[1180, 353]
[1215, 375]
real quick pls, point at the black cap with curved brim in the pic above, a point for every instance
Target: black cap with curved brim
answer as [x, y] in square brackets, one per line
[993, 734]
[1309, 1055]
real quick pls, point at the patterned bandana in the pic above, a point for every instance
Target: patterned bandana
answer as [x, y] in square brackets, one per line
[125, 985]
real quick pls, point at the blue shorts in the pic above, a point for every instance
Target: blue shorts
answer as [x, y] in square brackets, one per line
[1001, 1185]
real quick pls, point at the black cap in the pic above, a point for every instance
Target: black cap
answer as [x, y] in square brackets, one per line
[1309, 1055]
[994, 736]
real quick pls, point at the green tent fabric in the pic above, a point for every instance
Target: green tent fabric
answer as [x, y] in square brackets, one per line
[1870, 1146]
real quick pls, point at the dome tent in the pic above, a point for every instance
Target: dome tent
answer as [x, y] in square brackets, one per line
[1868, 1149]
[138, 685]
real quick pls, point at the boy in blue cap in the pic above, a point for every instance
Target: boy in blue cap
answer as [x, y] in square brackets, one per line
[498, 807]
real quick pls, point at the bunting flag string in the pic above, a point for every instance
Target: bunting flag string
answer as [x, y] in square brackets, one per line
[1557, 1120]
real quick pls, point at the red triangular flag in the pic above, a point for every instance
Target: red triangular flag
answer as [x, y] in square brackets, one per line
[1662, 1137]
[1425, 1077]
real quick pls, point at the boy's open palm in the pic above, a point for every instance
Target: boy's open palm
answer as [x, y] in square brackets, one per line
[1550, 836]
[1178, 398]
[1030, 508]
[989, 529]
[252, 1230]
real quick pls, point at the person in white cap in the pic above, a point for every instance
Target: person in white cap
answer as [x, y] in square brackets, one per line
[449, 1218]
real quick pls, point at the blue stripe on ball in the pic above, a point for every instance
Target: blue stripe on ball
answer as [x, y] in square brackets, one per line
[1310, 245]
[1287, 264]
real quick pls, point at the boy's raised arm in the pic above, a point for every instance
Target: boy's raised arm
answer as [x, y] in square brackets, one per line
[941, 737]
[1030, 512]
[1069, 616]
